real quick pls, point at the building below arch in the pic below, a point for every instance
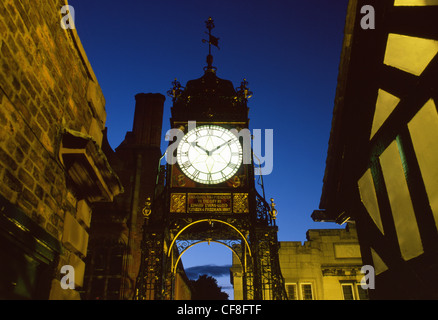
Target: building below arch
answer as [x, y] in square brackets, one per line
[325, 267]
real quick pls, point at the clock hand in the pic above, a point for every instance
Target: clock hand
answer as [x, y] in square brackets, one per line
[217, 148]
[195, 144]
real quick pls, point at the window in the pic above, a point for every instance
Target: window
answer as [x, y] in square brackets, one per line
[363, 293]
[352, 290]
[291, 289]
[104, 281]
[306, 291]
[347, 290]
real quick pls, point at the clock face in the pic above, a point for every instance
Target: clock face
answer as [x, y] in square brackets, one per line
[209, 154]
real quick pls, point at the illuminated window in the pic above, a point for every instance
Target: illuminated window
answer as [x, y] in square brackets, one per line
[413, 3]
[369, 198]
[379, 265]
[410, 54]
[408, 234]
[291, 289]
[424, 133]
[363, 293]
[352, 290]
[306, 291]
[385, 104]
[347, 290]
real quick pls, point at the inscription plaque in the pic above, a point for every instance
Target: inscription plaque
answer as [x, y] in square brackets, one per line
[209, 202]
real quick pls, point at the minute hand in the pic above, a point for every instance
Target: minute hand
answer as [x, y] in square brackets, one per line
[223, 144]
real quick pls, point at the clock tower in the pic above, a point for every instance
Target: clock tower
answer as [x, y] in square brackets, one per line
[206, 191]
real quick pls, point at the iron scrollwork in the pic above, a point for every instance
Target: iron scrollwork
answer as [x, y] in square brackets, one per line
[263, 210]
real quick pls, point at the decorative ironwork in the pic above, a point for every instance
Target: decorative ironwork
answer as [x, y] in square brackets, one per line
[147, 208]
[267, 270]
[273, 212]
[243, 92]
[178, 202]
[176, 90]
[263, 210]
[183, 245]
[240, 203]
[149, 280]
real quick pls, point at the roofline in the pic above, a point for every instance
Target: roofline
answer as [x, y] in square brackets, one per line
[334, 160]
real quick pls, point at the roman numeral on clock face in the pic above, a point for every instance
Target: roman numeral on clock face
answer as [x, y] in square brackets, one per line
[232, 165]
[186, 165]
[196, 174]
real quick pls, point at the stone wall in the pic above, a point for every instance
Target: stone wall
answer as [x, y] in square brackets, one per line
[121, 222]
[52, 113]
[328, 259]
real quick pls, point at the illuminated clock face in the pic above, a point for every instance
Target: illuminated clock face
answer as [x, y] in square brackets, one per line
[209, 154]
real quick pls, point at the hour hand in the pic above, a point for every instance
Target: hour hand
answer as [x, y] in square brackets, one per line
[195, 144]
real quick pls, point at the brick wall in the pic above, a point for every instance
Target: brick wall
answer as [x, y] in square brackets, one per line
[48, 87]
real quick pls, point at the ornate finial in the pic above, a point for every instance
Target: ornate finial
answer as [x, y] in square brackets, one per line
[209, 24]
[273, 212]
[212, 40]
[243, 91]
[176, 90]
[147, 208]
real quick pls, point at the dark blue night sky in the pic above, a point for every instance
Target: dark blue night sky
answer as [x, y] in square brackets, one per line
[289, 52]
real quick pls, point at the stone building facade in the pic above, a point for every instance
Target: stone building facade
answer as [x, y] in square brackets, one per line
[117, 227]
[325, 267]
[52, 167]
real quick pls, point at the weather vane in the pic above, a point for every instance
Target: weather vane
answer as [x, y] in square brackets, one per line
[212, 40]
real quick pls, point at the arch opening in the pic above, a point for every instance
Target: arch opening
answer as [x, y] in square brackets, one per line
[172, 244]
[213, 259]
[190, 238]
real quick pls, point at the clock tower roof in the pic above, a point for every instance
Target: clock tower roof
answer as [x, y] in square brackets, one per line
[210, 84]
[209, 98]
